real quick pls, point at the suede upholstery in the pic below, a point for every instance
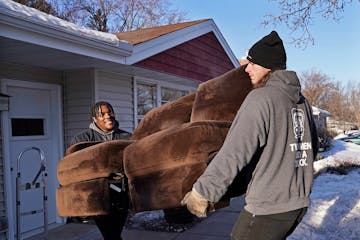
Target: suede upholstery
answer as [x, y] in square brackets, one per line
[221, 97]
[96, 161]
[162, 167]
[165, 116]
[87, 198]
[169, 150]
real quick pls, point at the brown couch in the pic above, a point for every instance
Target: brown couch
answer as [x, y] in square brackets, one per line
[169, 150]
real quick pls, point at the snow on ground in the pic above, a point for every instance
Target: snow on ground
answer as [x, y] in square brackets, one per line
[334, 213]
[155, 221]
[340, 154]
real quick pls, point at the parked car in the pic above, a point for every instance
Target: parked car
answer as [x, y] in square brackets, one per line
[351, 136]
[354, 138]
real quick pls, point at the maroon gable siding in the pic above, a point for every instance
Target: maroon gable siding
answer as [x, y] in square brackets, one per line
[201, 59]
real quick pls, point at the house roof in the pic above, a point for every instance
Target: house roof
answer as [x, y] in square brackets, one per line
[151, 41]
[31, 37]
[146, 34]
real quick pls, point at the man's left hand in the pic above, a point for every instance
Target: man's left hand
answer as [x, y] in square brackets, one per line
[195, 203]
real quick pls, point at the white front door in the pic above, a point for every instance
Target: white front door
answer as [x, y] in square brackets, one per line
[33, 120]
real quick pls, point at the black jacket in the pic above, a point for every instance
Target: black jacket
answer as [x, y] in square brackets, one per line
[93, 134]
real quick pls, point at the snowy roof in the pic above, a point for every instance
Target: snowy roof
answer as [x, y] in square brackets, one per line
[11, 8]
[25, 24]
[318, 111]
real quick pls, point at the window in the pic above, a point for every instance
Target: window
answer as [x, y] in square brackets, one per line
[168, 94]
[27, 127]
[149, 96]
[146, 99]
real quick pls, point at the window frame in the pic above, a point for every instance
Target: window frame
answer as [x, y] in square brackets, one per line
[30, 137]
[158, 85]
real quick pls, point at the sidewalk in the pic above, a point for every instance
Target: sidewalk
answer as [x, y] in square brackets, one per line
[217, 226]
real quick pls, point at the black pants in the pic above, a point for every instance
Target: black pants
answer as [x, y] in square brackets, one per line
[266, 227]
[111, 225]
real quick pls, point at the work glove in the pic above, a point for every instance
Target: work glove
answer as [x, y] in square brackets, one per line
[195, 203]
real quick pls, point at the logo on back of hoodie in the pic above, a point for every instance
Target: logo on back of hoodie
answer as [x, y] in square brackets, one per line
[300, 147]
[298, 117]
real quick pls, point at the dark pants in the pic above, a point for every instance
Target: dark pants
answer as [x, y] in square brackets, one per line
[111, 225]
[266, 227]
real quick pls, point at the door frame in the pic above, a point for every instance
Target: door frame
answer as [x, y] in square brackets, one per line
[56, 97]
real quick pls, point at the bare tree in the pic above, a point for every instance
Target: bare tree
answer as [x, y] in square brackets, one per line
[342, 102]
[337, 104]
[354, 102]
[119, 15]
[298, 15]
[41, 5]
[317, 87]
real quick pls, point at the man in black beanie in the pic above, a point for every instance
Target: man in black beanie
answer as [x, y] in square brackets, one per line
[265, 55]
[274, 131]
[269, 52]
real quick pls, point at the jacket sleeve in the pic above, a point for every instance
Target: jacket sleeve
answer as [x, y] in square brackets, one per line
[247, 134]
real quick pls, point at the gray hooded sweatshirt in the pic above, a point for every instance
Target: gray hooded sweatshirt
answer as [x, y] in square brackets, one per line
[274, 127]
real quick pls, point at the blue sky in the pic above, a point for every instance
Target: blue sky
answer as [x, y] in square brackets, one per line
[336, 51]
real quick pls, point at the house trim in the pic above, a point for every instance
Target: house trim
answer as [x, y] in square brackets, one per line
[149, 48]
[58, 34]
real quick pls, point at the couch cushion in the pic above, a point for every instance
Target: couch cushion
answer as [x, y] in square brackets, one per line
[220, 98]
[86, 198]
[80, 146]
[171, 114]
[161, 168]
[96, 161]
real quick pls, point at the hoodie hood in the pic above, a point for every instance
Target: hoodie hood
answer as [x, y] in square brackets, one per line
[106, 135]
[288, 82]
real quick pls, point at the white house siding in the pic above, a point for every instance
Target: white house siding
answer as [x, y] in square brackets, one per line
[117, 89]
[78, 98]
[3, 215]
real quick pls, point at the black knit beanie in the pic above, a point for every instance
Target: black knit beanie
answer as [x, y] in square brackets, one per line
[268, 52]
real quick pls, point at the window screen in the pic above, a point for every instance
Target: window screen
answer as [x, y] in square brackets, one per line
[146, 98]
[168, 94]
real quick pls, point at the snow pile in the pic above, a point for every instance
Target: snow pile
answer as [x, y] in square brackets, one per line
[334, 212]
[155, 221]
[339, 155]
